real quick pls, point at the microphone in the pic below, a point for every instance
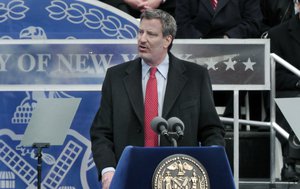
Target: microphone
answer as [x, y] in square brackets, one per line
[160, 125]
[176, 125]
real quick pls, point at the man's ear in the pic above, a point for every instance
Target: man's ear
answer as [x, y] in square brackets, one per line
[167, 41]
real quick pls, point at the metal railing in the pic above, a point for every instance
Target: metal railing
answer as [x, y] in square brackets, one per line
[274, 127]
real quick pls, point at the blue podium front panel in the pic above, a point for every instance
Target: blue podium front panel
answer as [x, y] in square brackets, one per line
[137, 165]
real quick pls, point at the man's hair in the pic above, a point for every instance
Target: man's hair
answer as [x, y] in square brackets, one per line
[168, 22]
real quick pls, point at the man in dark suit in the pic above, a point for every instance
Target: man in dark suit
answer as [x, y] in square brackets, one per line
[184, 91]
[135, 7]
[276, 12]
[230, 18]
[285, 42]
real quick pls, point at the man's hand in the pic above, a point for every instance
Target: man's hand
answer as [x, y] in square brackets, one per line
[106, 179]
[137, 4]
[153, 4]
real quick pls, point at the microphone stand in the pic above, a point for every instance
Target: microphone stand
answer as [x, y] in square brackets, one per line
[39, 147]
[174, 142]
[171, 139]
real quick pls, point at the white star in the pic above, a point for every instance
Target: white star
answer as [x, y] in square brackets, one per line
[230, 64]
[249, 64]
[211, 64]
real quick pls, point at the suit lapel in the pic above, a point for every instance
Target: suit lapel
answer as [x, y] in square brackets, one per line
[221, 4]
[207, 5]
[133, 85]
[176, 81]
[294, 28]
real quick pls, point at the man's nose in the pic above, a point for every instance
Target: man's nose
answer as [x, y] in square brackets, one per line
[143, 37]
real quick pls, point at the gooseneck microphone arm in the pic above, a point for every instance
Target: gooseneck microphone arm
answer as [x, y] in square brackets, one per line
[174, 142]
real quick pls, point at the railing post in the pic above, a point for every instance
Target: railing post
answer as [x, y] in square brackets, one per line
[272, 120]
[236, 137]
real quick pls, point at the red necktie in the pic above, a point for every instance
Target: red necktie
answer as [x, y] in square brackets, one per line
[151, 109]
[214, 3]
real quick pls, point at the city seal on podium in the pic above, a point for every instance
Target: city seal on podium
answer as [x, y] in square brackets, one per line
[180, 171]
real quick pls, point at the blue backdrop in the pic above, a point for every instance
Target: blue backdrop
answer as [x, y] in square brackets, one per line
[71, 165]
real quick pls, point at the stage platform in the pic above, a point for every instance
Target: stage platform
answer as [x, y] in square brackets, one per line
[254, 184]
[254, 156]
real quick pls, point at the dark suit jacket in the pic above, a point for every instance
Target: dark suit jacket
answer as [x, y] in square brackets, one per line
[235, 18]
[276, 12]
[120, 119]
[285, 42]
[168, 6]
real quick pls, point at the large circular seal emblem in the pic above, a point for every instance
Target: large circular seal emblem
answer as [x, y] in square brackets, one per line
[180, 171]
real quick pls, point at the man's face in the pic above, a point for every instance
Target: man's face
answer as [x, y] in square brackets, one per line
[297, 6]
[152, 46]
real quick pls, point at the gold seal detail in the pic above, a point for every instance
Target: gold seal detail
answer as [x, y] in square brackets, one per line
[180, 171]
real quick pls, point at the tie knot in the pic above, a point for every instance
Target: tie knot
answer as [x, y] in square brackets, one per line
[153, 71]
[214, 3]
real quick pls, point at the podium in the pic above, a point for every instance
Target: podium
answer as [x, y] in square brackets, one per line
[137, 165]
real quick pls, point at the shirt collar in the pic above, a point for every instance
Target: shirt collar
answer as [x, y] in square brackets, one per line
[163, 67]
